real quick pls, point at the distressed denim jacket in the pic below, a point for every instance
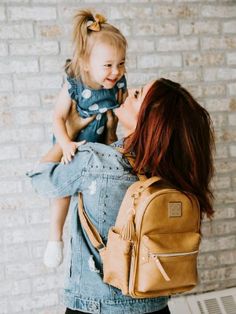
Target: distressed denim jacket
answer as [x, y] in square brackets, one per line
[103, 175]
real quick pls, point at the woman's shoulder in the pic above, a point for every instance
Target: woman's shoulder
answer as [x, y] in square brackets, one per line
[105, 156]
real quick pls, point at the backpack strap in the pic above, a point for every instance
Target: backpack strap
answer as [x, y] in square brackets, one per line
[90, 229]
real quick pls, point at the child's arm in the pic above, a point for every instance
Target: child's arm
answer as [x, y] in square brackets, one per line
[61, 112]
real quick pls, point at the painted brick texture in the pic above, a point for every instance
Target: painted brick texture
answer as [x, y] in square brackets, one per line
[190, 41]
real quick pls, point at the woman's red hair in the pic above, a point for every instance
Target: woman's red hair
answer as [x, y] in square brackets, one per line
[174, 139]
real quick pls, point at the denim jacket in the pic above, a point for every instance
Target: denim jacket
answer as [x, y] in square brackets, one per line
[103, 175]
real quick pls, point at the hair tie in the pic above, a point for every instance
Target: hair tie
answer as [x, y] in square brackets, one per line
[96, 24]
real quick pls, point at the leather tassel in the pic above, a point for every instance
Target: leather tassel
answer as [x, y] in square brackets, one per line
[128, 230]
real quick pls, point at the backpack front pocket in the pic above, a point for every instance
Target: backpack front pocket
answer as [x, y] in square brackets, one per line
[116, 257]
[168, 262]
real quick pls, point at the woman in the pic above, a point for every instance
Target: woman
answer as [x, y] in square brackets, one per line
[170, 135]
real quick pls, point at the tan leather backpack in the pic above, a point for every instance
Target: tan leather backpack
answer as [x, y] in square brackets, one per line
[152, 249]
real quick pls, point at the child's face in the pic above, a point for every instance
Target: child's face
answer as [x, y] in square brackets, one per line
[106, 66]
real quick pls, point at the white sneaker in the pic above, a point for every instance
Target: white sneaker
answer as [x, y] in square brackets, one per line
[53, 255]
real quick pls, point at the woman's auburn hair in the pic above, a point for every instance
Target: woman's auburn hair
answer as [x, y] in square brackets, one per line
[174, 139]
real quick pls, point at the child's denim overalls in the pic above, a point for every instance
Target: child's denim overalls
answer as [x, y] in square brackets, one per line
[91, 102]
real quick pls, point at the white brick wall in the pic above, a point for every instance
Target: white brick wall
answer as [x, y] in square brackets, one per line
[191, 41]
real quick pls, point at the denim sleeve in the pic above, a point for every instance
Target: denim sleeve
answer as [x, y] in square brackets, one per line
[59, 180]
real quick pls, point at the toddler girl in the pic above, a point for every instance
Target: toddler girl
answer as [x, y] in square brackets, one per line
[96, 83]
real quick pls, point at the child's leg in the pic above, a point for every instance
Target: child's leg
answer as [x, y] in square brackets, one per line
[53, 255]
[59, 212]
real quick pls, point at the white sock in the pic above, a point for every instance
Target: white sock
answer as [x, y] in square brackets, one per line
[53, 255]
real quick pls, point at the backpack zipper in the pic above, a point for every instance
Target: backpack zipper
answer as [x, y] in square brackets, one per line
[155, 256]
[172, 254]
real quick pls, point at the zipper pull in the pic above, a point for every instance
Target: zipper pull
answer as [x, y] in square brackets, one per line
[160, 267]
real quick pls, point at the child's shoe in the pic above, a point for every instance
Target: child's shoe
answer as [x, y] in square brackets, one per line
[53, 255]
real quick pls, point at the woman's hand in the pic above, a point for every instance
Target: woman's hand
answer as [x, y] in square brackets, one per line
[74, 122]
[111, 125]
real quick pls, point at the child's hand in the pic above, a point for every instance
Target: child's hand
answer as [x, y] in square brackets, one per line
[69, 150]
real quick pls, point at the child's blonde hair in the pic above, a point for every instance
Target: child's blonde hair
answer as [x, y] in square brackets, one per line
[89, 29]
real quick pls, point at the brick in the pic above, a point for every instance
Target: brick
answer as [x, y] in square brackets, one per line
[48, 98]
[142, 45]
[51, 30]
[214, 43]
[52, 64]
[14, 253]
[34, 48]
[8, 187]
[66, 49]
[199, 27]
[9, 152]
[155, 28]
[225, 166]
[2, 14]
[229, 27]
[41, 284]
[218, 243]
[232, 119]
[207, 260]
[219, 74]
[232, 89]
[226, 197]
[37, 217]
[24, 100]
[140, 79]
[225, 135]
[30, 83]
[3, 50]
[214, 90]
[181, 76]
[17, 167]
[125, 27]
[31, 13]
[203, 59]
[177, 44]
[11, 219]
[66, 12]
[26, 201]
[232, 150]
[19, 66]
[220, 182]
[217, 274]
[218, 104]
[27, 151]
[21, 234]
[221, 151]
[231, 58]
[5, 84]
[16, 31]
[155, 60]
[12, 288]
[227, 257]
[224, 213]
[23, 134]
[218, 11]
[175, 12]
[129, 11]
[31, 302]
[4, 306]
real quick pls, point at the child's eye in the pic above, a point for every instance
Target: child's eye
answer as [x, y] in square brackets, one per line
[107, 65]
[136, 93]
[122, 64]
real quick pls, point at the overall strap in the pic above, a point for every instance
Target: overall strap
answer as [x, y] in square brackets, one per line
[88, 226]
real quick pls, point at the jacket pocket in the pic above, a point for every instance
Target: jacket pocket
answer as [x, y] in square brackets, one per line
[116, 257]
[168, 262]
